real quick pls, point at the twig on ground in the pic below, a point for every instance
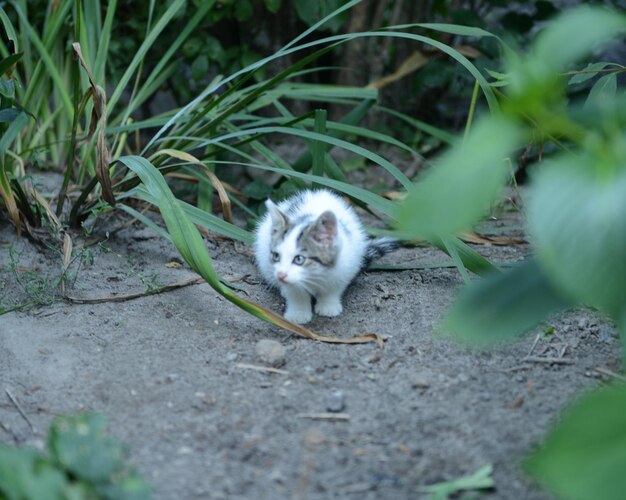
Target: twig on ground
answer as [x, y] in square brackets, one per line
[610, 373]
[131, 296]
[530, 353]
[19, 409]
[9, 431]
[325, 416]
[548, 360]
[515, 368]
[261, 368]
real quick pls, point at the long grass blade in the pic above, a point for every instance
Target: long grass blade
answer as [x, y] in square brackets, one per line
[43, 52]
[305, 134]
[167, 16]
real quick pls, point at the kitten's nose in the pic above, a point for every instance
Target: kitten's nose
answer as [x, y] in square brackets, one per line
[282, 276]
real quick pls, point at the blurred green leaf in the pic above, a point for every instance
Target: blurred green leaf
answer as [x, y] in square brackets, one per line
[272, 5]
[584, 457]
[25, 475]
[536, 89]
[604, 90]
[80, 445]
[588, 72]
[503, 305]
[576, 215]
[577, 32]
[460, 188]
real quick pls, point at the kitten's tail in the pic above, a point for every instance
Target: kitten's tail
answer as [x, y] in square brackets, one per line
[377, 247]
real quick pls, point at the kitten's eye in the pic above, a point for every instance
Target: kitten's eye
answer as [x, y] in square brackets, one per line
[298, 260]
[275, 256]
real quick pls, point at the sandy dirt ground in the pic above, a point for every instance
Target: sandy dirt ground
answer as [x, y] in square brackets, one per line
[172, 374]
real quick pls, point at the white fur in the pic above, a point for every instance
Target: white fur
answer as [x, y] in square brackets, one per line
[327, 285]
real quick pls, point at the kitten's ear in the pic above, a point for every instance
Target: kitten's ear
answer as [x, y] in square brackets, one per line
[324, 229]
[279, 219]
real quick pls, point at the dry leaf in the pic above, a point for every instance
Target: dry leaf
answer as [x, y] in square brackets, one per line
[480, 239]
[412, 63]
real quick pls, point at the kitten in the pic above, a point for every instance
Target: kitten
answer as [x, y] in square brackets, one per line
[312, 245]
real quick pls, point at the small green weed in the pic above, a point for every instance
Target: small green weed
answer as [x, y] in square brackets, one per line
[29, 287]
[479, 480]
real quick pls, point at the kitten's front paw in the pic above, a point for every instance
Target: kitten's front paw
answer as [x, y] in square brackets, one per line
[300, 316]
[330, 308]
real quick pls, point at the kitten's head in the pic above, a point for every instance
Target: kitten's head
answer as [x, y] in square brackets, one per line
[302, 250]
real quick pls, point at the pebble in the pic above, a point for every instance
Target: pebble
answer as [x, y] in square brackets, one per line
[336, 402]
[606, 334]
[270, 352]
[418, 382]
[582, 324]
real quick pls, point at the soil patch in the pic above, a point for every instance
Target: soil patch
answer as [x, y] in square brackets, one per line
[172, 374]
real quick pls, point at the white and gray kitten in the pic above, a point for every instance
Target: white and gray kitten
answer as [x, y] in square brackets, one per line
[312, 245]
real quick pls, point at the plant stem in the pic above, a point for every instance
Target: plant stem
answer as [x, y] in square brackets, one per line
[470, 115]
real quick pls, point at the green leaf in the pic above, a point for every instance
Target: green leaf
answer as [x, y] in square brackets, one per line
[307, 11]
[79, 444]
[318, 148]
[184, 235]
[575, 33]
[471, 259]
[17, 124]
[584, 456]
[24, 474]
[7, 62]
[589, 72]
[8, 115]
[257, 190]
[604, 90]
[454, 29]
[243, 10]
[460, 188]
[200, 67]
[7, 88]
[273, 5]
[576, 217]
[503, 305]
[479, 480]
